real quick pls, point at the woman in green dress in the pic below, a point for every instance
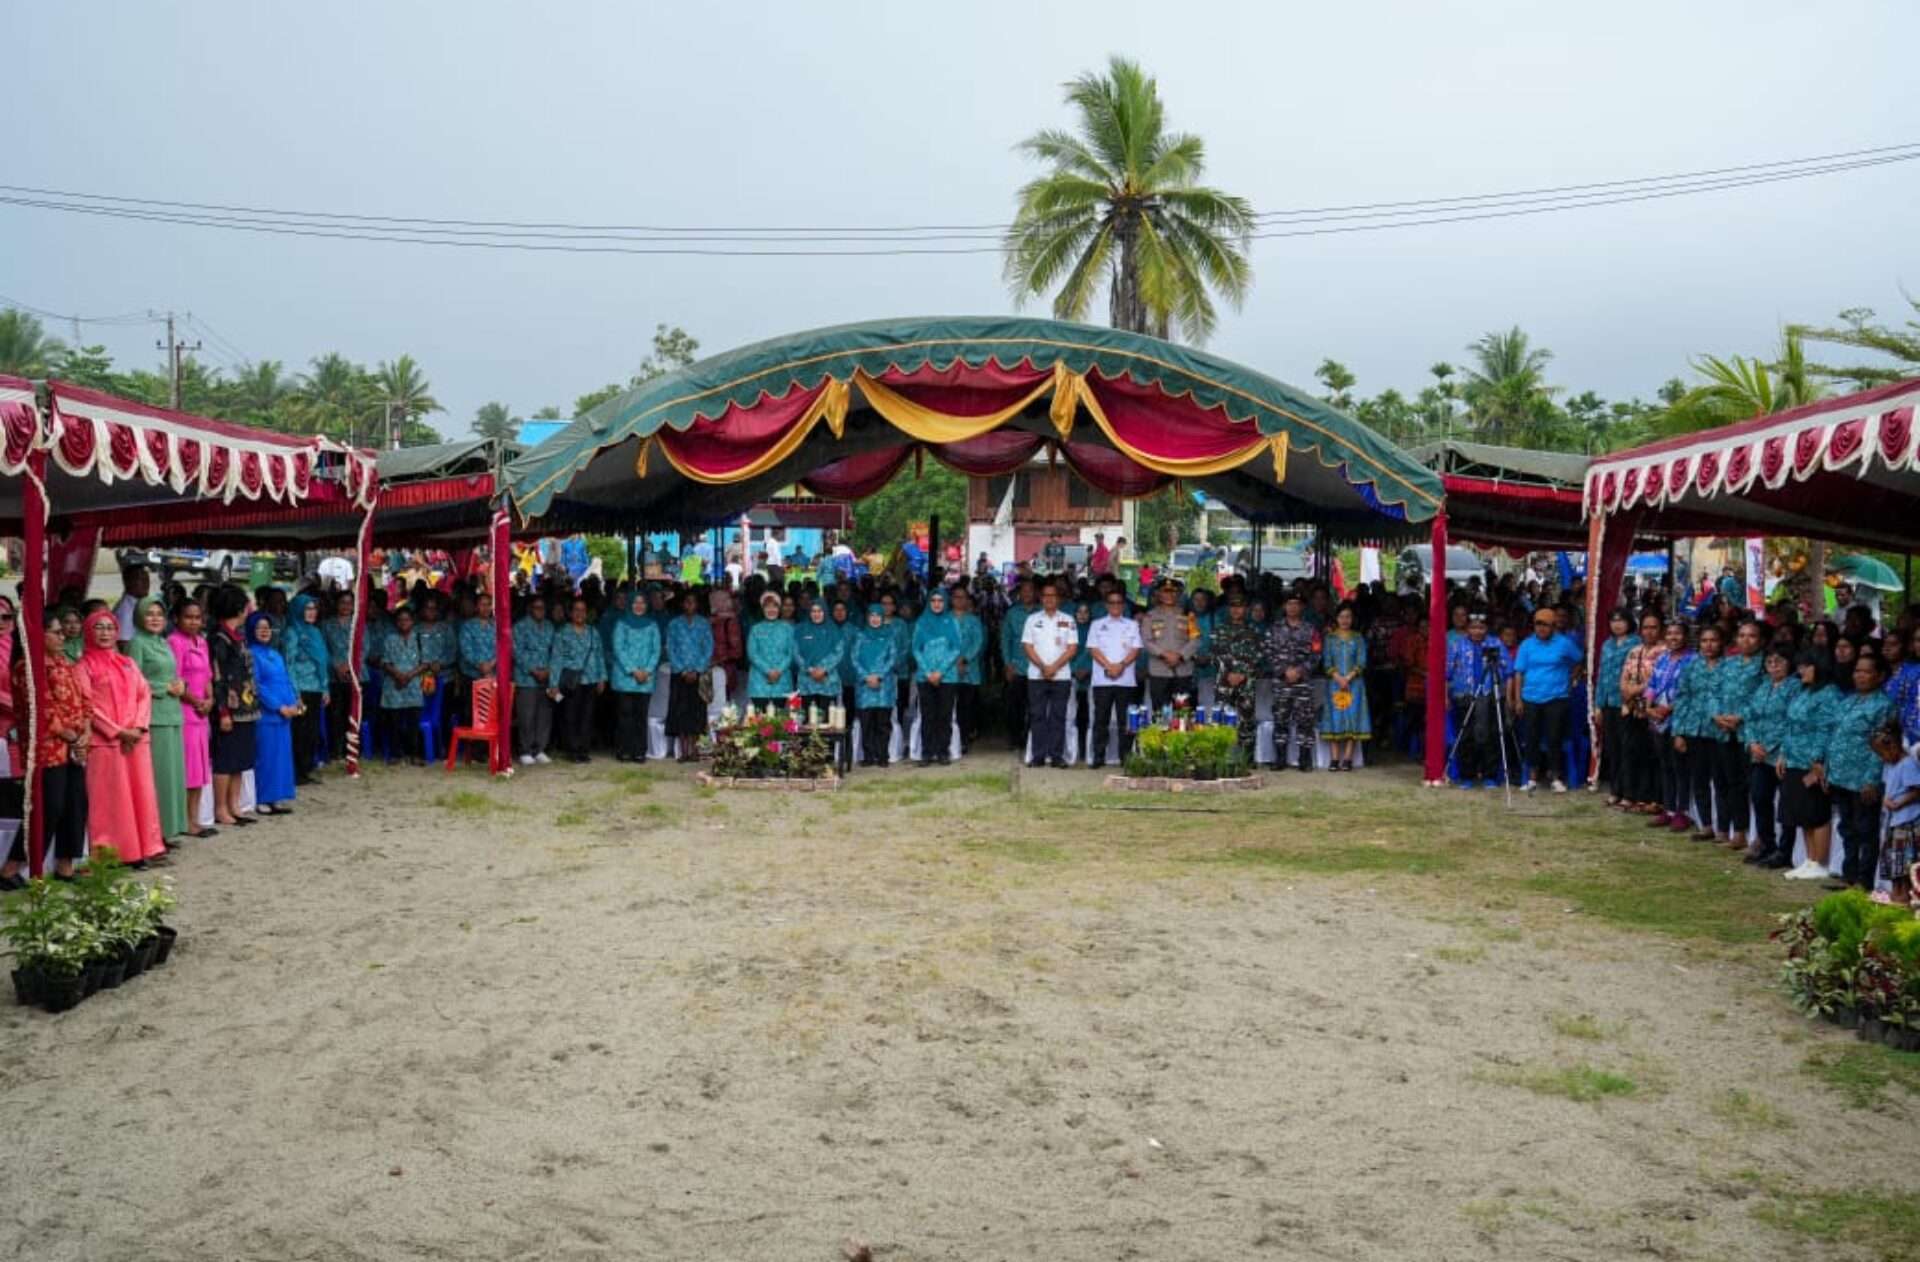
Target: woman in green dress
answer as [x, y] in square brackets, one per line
[1345, 659]
[154, 656]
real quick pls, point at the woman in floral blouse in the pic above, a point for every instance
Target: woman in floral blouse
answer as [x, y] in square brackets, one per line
[236, 706]
[62, 755]
[1639, 761]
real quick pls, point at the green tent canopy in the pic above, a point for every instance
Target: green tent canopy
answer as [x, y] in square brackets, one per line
[840, 410]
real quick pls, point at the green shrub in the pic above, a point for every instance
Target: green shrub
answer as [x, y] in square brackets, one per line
[1201, 753]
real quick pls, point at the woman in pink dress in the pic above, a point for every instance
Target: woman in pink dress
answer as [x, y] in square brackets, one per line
[123, 814]
[196, 674]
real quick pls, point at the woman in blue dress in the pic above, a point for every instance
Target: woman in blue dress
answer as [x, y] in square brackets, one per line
[873, 690]
[636, 659]
[817, 648]
[279, 706]
[1345, 659]
[401, 695]
[769, 654]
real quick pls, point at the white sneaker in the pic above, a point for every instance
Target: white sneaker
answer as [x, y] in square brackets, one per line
[1559, 786]
[1532, 785]
[526, 760]
[1808, 871]
[542, 758]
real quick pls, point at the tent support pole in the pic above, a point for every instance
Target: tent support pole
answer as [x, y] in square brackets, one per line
[33, 604]
[1436, 740]
[357, 654]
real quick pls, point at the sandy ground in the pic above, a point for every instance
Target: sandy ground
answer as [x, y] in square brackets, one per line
[596, 1014]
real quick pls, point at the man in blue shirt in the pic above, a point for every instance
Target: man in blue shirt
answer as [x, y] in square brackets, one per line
[1540, 692]
[1475, 669]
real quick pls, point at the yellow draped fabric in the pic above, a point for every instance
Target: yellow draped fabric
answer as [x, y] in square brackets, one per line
[830, 406]
[1257, 443]
[929, 426]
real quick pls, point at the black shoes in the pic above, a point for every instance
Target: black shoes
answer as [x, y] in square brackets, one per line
[1306, 762]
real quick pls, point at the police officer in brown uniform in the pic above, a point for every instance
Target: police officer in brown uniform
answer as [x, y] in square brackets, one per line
[1167, 634]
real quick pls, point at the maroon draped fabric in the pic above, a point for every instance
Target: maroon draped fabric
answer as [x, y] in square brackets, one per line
[960, 389]
[990, 455]
[1168, 427]
[70, 559]
[1112, 471]
[740, 435]
[857, 477]
[1436, 740]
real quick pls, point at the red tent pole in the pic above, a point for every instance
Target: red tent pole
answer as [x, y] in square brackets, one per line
[502, 546]
[1436, 769]
[362, 588]
[33, 605]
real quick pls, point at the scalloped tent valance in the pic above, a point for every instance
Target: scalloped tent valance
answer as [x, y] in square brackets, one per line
[844, 407]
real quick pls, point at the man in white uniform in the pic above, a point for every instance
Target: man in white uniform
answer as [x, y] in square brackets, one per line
[1114, 642]
[1050, 640]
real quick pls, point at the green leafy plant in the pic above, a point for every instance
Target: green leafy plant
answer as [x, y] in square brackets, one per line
[111, 903]
[48, 935]
[1201, 753]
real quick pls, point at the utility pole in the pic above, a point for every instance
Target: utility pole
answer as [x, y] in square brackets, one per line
[174, 349]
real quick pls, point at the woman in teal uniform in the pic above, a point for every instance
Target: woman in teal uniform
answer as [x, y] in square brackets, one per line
[636, 659]
[770, 653]
[935, 650]
[873, 690]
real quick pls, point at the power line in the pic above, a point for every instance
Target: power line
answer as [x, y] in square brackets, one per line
[338, 220]
[128, 317]
[643, 246]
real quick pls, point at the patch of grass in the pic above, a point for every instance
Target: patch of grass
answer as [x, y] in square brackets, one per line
[636, 780]
[1884, 1222]
[1472, 954]
[1488, 1216]
[1019, 849]
[570, 819]
[1748, 1112]
[471, 802]
[1577, 1025]
[1329, 862]
[905, 791]
[1581, 1083]
[1682, 894]
[1862, 1072]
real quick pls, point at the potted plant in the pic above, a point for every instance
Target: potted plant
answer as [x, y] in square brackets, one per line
[160, 901]
[110, 903]
[51, 946]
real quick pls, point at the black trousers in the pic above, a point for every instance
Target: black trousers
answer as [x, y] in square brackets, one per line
[1047, 718]
[63, 806]
[403, 731]
[1162, 687]
[1013, 704]
[339, 716]
[1612, 740]
[306, 737]
[876, 732]
[903, 702]
[966, 705]
[1110, 706]
[1730, 779]
[630, 727]
[1699, 760]
[1860, 832]
[1546, 735]
[1639, 761]
[1676, 783]
[1763, 790]
[1478, 751]
[576, 719]
[936, 721]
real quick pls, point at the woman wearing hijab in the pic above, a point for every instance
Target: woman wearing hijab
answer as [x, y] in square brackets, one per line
[818, 646]
[848, 629]
[273, 765]
[936, 648]
[577, 673]
[304, 646]
[690, 658]
[636, 659]
[770, 653]
[532, 708]
[969, 665]
[337, 630]
[154, 657]
[873, 652]
[401, 695]
[123, 814]
[65, 741]
[195, 671]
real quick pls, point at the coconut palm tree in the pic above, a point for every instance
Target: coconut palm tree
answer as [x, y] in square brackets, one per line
[1737, 388]
[25, 349]
[493, 420]
[1123, 206]
[261, 388]
[1506, 390]
[1858, 330]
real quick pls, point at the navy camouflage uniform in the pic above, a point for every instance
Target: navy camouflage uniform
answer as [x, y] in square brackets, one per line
[1295, 708]
[1239, 649]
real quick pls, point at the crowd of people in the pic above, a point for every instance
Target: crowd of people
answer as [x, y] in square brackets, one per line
[173, 716]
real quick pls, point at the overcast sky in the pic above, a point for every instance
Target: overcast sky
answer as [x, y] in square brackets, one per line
[747, 113]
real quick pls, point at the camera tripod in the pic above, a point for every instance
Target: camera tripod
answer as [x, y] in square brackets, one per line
[1499, 727]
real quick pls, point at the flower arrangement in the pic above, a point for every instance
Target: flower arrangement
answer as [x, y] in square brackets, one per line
[1855, 962]
[1187, 753]
[768, 744]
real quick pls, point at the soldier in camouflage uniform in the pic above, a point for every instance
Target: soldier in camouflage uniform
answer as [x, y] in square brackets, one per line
[1293, 651]
[1240, 659]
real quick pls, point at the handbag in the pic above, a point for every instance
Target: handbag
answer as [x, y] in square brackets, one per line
[570, 679]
